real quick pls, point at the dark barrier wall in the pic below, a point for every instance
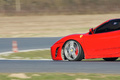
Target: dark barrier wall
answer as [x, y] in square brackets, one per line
[58, 6]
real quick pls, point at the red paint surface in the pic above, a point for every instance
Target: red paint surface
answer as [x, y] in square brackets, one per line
[101, 45]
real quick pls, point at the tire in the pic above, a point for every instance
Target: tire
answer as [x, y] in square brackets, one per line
[73, 51]
[110, 59]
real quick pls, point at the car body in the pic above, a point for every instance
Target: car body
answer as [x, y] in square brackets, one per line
[100, 42]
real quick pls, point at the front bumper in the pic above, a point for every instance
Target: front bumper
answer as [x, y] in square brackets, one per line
[56, 51]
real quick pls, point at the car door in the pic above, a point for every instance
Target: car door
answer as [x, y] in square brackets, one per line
[105, 42]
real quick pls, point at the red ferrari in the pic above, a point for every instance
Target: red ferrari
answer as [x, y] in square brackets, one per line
[100, 42]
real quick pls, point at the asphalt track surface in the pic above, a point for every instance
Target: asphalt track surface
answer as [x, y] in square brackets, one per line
[19, 66]
[27, 43]
[16, 66]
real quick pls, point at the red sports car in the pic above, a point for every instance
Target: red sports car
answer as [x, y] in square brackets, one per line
[100, 42]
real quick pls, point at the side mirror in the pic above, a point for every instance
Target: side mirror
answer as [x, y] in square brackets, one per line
[91, 31]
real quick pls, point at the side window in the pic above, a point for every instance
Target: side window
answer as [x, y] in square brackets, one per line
[109, 26]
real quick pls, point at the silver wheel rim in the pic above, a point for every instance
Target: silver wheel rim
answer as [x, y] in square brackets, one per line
[71, 50]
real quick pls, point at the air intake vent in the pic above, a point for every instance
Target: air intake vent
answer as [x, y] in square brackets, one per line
[56, 52]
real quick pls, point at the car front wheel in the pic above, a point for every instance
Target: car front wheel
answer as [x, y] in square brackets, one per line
[73, 51]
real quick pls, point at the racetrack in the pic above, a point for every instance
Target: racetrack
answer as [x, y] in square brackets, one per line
[14, 66]
[27, 43]
[19, 66]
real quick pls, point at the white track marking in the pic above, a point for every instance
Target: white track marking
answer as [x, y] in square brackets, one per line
[9, 52]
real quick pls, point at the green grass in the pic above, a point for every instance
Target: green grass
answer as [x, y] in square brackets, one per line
[58, 76]
[40, 54]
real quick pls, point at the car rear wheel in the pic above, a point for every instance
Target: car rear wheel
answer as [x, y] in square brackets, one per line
[73, 51]
[110, 59]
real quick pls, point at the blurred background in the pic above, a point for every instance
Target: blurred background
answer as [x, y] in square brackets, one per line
[53, 18]
[42, 7]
